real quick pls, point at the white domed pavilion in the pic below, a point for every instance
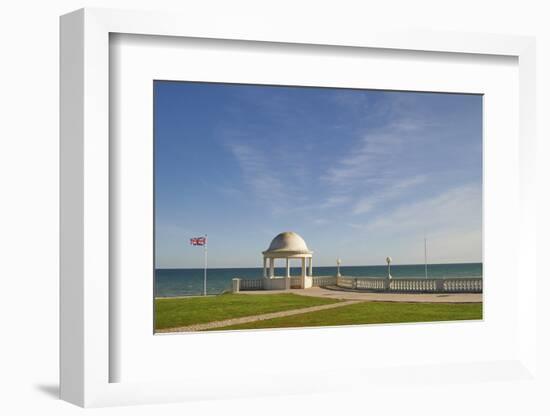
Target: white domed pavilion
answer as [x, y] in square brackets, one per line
[289, 245]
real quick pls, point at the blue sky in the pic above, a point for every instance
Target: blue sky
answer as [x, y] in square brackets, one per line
[360, 174]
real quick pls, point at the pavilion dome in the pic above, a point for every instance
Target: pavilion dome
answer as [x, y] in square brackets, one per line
[288, 242]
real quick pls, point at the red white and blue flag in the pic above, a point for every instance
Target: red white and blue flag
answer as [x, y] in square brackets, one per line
[198, 241]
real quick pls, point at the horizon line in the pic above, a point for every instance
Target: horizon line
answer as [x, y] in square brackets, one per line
[355, 265]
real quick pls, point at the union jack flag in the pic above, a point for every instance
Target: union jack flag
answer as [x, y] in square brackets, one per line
[198, 241]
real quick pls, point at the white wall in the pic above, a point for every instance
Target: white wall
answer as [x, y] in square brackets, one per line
[29, 175]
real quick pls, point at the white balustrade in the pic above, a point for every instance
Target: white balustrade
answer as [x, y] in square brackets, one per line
[251, 284]
[345, 282]
[419, 285]
[295, 282]
[463, 285]
[413, 285]
[276, 283]
[372, 284]
[457, 285]
[324, 281]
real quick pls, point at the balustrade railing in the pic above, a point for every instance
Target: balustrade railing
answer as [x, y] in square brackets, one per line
[372, 284]
[295, 282]
[413, 285]
[463, 285]
[418, 285]
[457, 285]
[251, 284]
[346, 282]
[324, 280]
[276, 283]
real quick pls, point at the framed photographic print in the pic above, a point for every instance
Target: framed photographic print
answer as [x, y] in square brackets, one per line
[293, 198]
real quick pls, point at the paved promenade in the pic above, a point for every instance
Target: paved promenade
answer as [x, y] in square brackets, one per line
[378, 297]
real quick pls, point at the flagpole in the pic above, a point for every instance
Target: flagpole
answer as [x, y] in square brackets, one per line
[205, 262]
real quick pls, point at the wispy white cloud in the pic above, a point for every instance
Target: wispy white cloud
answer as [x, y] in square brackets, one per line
[457, 208]
[365, 162]
[377, 156]
[378, 168]
[390, 128]
[389, 192]
[257, 173]
[276, 181]
[334, 201]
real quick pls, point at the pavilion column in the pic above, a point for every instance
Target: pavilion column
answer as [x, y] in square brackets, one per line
[311, 266]
[303, 273]
[271, 268]
[265, 268]
[287, 267]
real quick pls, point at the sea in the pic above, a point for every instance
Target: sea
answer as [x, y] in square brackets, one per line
[189, 282]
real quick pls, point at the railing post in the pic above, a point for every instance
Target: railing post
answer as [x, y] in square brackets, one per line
[236, 285]
[440, 285]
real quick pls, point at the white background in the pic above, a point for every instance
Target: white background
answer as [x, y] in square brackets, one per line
[29, 207]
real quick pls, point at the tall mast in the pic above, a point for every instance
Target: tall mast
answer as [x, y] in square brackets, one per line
[205, 262]
[425, 258]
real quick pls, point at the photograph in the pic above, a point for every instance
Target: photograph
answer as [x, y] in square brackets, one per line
[300, 206]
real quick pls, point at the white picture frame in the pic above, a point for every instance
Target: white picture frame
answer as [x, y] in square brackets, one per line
[86, 264]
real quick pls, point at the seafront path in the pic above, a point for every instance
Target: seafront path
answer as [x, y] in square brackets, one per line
[248, 319]
[343, 294]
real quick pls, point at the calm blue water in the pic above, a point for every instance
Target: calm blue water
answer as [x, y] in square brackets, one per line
[181, 282]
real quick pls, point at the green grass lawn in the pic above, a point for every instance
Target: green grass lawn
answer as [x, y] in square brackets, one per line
[373, 313]
[175, 312]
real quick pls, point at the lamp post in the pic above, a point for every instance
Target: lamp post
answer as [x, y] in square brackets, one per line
[338, 262]
[388, 260]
